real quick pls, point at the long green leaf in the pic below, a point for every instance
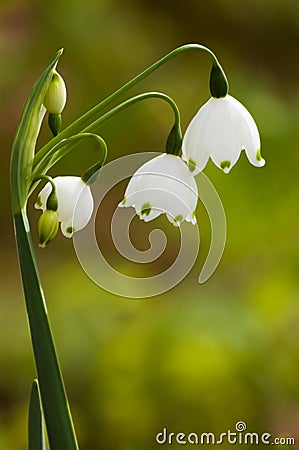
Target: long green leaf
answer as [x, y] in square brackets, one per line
[36, 434]
[55, 405]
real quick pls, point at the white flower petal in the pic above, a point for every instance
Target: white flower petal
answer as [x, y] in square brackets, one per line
[75, 202]
[163, 184]
[67, 228]
[220, 130]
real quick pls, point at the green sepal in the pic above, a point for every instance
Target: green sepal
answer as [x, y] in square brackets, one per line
[52, 201]
[218, 82]
[36, 433]
[174, 140]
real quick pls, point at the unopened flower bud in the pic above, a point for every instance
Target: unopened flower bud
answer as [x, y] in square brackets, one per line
[55, 97]
[47, 227]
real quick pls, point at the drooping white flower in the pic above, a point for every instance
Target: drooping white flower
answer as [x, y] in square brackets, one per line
[220, 130]
[75, 203]
[163, 185]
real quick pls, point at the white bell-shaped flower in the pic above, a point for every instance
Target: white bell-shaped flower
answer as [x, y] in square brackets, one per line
[163, 185]
[75, 203]
[220, 130]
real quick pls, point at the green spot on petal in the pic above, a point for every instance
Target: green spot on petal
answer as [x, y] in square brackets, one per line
[258, 155]
[191, 165]
[146, 209]
[225, 165]
[70, 230]
[124, 201]
[179, 218]
[38, 203]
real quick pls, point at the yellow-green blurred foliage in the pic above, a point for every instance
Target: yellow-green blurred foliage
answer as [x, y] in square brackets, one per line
[198, 358]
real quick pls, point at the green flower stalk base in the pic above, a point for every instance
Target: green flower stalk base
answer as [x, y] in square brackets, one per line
[28, 168]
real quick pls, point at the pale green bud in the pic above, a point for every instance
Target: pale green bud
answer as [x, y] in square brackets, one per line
[47, 227]
[55, 97]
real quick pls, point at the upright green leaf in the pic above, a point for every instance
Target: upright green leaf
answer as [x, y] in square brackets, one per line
[36, 434]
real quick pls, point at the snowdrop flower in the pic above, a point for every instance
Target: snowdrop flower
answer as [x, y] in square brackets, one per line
[220, 130]
[163, 185]
[75, 203]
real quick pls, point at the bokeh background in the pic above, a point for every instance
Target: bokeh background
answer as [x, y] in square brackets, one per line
[197, 358]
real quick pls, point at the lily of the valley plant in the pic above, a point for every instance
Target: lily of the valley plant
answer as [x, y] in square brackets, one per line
[221, 129]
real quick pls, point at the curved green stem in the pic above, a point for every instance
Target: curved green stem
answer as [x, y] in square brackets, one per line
[42, 163]
[90, 116]
[83, 122]
[47, 178]
[131, 101]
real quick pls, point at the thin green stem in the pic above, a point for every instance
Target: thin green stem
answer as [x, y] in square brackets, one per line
[47, 178]
[42, 163]
[95, 125]
[83, 122]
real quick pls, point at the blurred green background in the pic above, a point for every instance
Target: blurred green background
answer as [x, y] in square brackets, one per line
[201, 357]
